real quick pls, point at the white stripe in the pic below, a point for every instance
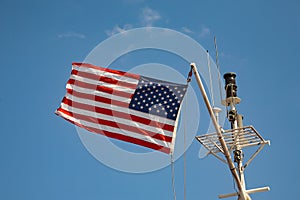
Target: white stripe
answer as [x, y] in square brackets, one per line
[116, 130]
[99, 72]
[116, 119]
[97, 93]
[101, 83]
[121, 109]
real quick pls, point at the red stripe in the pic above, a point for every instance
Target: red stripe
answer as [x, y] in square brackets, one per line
[99, 88]
[118, 125]
[97, 77]
[121, 137]
[118, 114]
[126, 74]
[97, 98]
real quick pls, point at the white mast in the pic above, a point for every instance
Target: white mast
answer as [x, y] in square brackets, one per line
[233, 140]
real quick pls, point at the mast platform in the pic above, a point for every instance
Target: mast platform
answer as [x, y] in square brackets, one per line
[248, 136]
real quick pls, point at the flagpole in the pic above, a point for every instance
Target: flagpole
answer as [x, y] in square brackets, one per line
[242, 193]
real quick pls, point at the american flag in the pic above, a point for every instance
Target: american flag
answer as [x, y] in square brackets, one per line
[123, 106]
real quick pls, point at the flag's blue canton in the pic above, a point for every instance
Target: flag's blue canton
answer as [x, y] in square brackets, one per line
[158, 97]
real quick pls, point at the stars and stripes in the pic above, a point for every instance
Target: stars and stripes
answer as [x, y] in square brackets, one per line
[124, 106]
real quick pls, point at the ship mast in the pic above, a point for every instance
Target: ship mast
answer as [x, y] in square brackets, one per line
[222, 144]
[236, 121]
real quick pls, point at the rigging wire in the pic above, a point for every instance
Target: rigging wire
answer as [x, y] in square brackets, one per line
[210, 79]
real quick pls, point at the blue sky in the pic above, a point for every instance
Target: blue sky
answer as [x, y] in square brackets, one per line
[42, 156]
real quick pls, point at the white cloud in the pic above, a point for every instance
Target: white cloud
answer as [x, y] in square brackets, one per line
[187, 30]
[149, 16]
[118, 29]
[71, 34]
[204, 31]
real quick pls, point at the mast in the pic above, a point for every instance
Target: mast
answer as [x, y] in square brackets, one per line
[231, 141]
[236, 121]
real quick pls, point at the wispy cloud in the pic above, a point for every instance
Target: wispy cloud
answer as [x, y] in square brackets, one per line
[149, 16]
[118, 29]
[186, 30]
[205, 31]
[71, 34]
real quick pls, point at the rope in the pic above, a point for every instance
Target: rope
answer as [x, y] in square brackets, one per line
[184, 136]
[173, 177]
[184, 155]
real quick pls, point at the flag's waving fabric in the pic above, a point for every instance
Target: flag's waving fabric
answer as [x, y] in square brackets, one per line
[124, 106]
